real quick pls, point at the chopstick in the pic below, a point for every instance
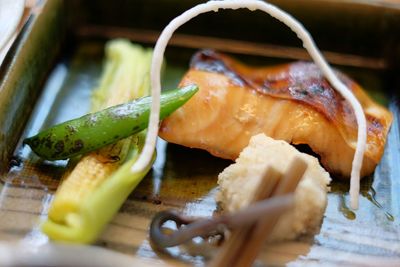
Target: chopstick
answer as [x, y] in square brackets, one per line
[244, 245]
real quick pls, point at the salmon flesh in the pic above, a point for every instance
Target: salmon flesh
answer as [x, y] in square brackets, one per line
[291, 102]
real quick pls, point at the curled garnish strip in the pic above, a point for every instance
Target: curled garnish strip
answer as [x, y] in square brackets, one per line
[308, 44]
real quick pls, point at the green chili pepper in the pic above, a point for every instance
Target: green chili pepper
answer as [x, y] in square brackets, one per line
[95, 130]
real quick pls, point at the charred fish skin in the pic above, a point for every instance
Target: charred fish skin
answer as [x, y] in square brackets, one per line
[291, 102]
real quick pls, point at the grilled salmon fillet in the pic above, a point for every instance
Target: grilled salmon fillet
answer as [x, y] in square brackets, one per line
[291, 102]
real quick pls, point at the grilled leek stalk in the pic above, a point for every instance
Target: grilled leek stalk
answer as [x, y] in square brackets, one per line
[92, 192]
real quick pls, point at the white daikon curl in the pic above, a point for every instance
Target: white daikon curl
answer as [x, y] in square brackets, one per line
[308, 44]
[10, 15]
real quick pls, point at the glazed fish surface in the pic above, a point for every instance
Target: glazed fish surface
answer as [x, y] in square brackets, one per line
[291, 102]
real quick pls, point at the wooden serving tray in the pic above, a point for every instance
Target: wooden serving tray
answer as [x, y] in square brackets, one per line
[51, 69]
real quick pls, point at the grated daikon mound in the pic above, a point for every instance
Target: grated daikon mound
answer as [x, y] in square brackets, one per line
[239, 181]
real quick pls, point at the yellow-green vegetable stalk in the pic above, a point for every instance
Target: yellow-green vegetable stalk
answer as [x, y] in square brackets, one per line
[92, 192]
